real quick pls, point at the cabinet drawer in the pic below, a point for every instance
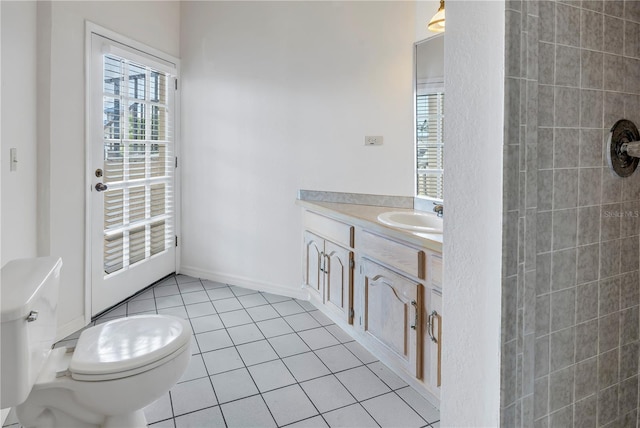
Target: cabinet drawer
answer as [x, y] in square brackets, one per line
[333, 230]
[400, 256]
[435, 270]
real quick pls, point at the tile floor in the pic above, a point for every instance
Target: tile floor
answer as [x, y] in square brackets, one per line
[262, 360]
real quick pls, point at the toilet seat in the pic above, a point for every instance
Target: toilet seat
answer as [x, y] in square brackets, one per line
[128, 346]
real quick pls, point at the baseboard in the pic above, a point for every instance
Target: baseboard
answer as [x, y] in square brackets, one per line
[241, 281]
[70, 327]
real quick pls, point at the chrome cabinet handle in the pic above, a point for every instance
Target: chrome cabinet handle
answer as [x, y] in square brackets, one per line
[430, 326]
[415, 309]
[33, 315]
[101, 187]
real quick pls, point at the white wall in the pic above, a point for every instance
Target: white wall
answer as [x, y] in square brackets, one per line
[156, 24]
[18, 129]
[474, 83]
[278, 96]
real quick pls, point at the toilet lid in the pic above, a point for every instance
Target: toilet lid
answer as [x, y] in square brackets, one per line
[127, 344]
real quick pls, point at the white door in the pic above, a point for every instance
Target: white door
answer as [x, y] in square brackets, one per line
[132, 169]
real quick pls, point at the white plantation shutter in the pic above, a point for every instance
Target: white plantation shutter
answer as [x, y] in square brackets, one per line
[138, 160]
[430, 138]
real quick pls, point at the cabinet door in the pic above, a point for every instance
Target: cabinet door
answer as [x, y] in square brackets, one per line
[392, 310]
[339, 279]
[433, 338]
[313, 261]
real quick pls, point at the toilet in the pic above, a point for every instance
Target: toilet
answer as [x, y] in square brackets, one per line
[114, 371]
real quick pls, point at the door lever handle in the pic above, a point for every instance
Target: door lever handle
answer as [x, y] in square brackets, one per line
[101, 187]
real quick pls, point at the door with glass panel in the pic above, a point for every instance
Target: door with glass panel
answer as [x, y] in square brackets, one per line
[132, 168]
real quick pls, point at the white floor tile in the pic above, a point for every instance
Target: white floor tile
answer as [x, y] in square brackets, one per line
[271, 375]
[321, 318]
[288, 307]
[257, 352]
[338, 358]
[244, 334]
[206, 323]
[212, 340]
[137, 306]
[222, 360]
[210, 285]
[227, 305]
[274, 327]
[318, 338]
[195, 348]
[183, 279]
[147, 294]
[302, 321]
[220, 293]
[193, 395]
[327, 393]
[195, 369]
[234, 318]
[339, 333]
[419, 404]
[307, 305]
[178, 311]
[211, 417]
[390, 411]
[249, 412]
[168, 423]
[274, 298]
[350, 417]
[241, 291]
[190, 287]
[233, 385]
[289, 405]
[390, 378]
[362, 383]
[195, 297]
[169, 301]
[360, 352]
[289, 344]
[261, 313]
[167, 281]
[158, 410]
[200, 309]
[306, 366]
[165, 290]
[251, 300]
[314, 422]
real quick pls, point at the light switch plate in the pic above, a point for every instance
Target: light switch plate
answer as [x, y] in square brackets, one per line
[13, 159]
[373, 140]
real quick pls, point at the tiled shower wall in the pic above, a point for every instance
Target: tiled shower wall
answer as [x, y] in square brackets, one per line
[570, 339]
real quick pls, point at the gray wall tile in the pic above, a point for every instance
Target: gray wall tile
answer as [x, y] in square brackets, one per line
[586, 302]
[586, 378]
[561, 388]
[561, 349]
[586, 340]
[585, 412]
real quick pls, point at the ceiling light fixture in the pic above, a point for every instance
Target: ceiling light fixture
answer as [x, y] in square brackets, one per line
[437, 22]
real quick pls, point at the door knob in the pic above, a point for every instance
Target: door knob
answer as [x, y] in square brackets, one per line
[100, 187]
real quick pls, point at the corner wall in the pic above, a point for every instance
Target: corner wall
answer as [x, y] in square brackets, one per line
[19, 103]
[474, 110]
[278, 96]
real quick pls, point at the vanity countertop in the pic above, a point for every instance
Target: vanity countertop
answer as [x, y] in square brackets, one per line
[366, 216]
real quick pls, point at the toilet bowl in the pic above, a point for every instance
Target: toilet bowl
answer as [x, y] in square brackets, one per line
[114, 371]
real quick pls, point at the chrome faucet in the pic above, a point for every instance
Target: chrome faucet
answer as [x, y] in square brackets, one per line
[438, 209]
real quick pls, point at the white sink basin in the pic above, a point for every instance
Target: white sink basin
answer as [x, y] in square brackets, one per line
[414, 221]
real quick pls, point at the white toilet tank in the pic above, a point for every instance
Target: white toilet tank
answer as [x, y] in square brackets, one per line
[28, 300]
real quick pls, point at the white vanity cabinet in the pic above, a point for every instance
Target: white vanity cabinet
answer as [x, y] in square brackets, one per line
[328, 263]
[391, 314]
[385, 291]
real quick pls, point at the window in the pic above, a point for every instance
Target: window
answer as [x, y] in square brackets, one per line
[429, 144]
[138, 162]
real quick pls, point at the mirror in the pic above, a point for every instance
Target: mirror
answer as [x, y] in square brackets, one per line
[429, 117]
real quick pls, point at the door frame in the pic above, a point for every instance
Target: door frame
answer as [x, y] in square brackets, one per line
[91, 28]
